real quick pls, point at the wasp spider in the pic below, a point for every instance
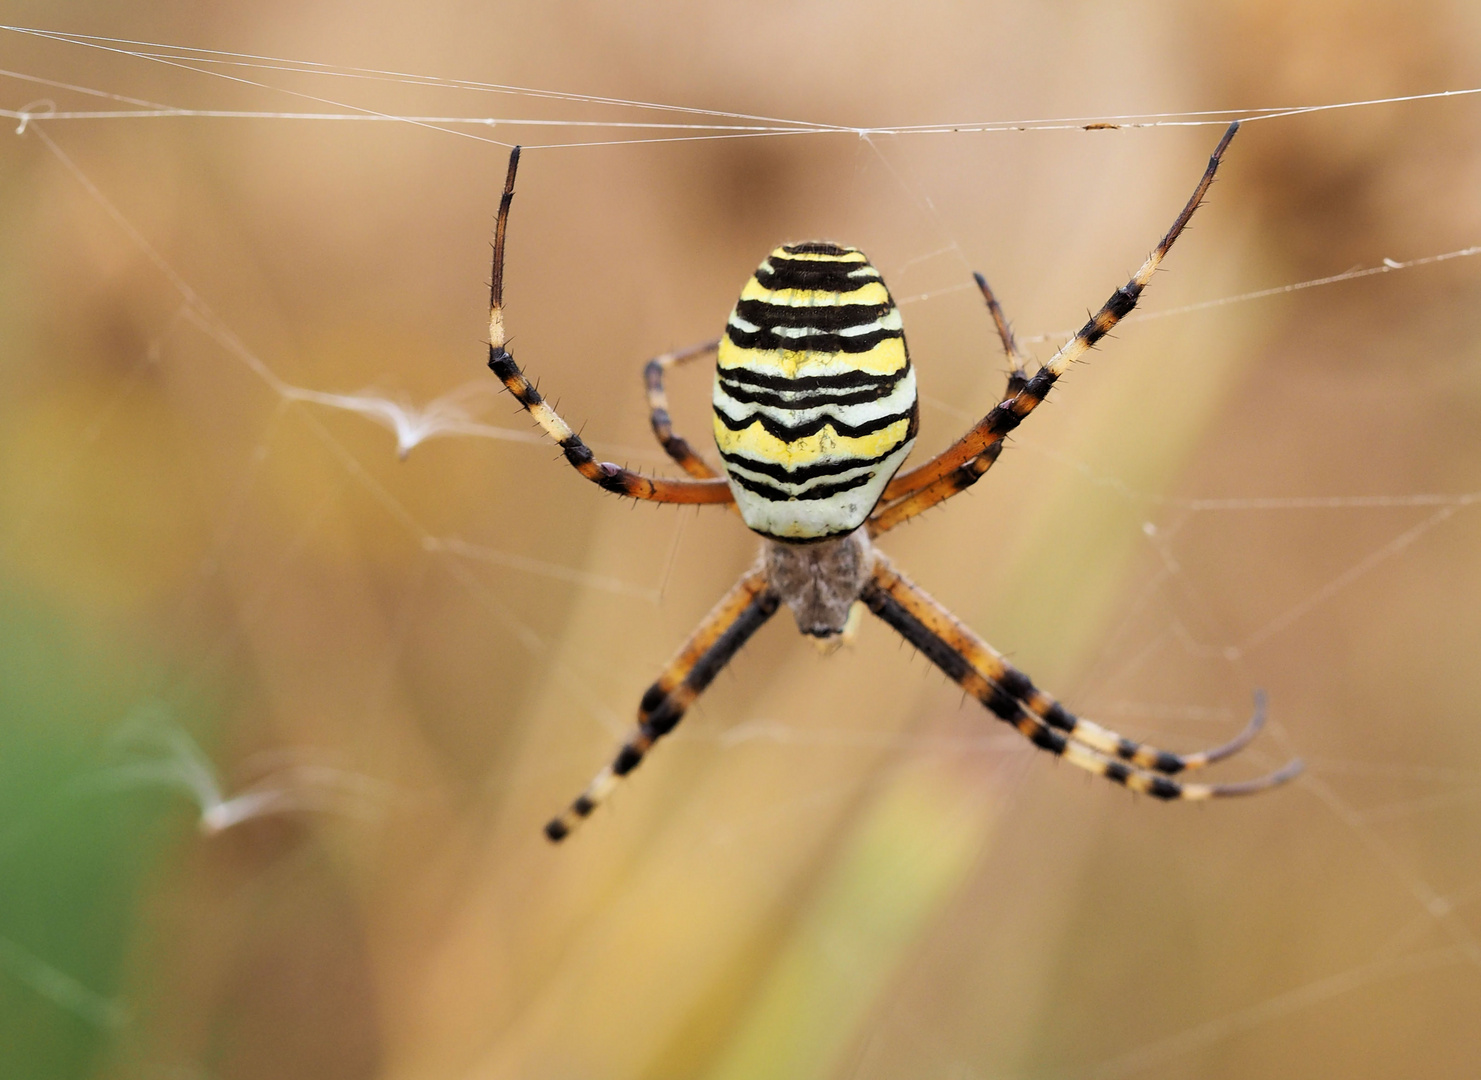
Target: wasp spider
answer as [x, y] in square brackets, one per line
[814, 412]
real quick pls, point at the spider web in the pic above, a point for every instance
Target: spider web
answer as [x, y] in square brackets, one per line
[277, 551]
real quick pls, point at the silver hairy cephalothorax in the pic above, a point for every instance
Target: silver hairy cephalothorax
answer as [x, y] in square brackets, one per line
[820, 581]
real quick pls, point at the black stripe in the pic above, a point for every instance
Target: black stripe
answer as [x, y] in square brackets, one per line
[1058, 716]
[662, 720]
[1016, 682]
[842, 381]
[814, 343]
[1165, 789]
[653, 376]
[782, 264]
[817, 494]
[791, 433]
[806, 472]
[809, 276]
[660, 713]
[1003, 418]
[503, 365]
[1000, 703]
[814, 400]
[951, 662]
[1122, 301]
[826, 317]
[821, 247]
[957, 668]
[1169, 763]
[729, 643]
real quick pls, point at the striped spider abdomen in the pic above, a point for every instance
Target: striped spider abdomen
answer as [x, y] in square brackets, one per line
[815, 402]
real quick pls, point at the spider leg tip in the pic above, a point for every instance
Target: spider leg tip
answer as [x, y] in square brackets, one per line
[1258, 713]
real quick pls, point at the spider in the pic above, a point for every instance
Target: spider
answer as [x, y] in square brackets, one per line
[814, 412]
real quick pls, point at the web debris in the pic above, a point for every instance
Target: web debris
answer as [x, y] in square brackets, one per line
[161, 753]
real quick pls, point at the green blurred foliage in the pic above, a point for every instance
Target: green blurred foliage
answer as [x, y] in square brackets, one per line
[76, 855]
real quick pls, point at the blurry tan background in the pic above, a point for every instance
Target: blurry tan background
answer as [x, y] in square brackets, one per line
[836, 867]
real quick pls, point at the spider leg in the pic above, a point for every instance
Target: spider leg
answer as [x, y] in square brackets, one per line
[1007, 415]
[604, 474]
[728, 626]
[889, 514]
[1017, 377]
[995, 667]
[677, 446]
[1008, 694]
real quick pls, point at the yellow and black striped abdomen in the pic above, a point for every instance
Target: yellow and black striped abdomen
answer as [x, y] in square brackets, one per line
[815, 404]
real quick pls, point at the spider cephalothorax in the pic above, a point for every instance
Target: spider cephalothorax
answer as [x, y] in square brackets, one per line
[820, 581]
[815, 411]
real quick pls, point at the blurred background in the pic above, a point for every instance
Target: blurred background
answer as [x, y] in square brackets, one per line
[283, 713]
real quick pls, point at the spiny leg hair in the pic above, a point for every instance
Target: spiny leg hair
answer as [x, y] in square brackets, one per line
[606, 475]
[1007, 415]
[971, 663]
[728, 626]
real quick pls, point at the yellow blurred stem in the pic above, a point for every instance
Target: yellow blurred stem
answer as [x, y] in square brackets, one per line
[887, 885]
